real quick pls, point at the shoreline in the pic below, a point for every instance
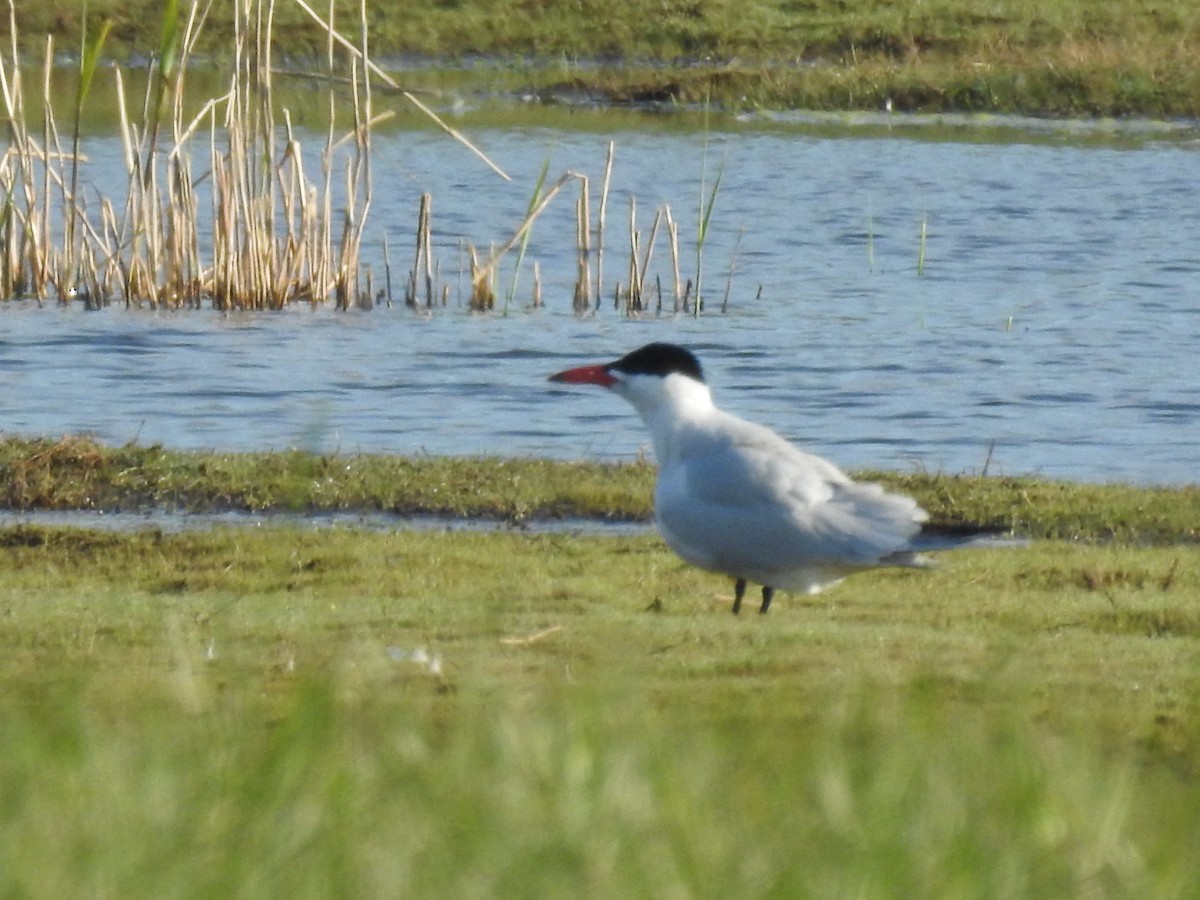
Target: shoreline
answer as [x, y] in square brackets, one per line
[1064, 61]
[79, 474]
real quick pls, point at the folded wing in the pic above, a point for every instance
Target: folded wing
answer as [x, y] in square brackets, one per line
[779, 508]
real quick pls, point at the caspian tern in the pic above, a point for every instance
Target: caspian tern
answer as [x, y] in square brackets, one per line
[736, 498]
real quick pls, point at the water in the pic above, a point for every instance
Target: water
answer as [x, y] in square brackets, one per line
[173, 521]
[1052, 331]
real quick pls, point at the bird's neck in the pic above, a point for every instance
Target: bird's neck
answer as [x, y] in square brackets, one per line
[683, 404]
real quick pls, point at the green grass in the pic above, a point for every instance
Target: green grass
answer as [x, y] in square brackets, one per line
[296, 711]
[78, 473]
[1064, 57]
[237, 713]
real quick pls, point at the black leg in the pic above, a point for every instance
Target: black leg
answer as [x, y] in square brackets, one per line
[739, 591]
[768, 593]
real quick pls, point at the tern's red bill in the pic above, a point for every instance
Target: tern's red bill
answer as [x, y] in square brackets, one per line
[598, 374]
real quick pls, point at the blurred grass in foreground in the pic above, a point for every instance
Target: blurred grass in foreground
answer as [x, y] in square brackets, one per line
[283, 712]
[574, 793]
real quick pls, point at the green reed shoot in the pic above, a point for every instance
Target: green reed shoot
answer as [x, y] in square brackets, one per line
[89, 56]
[483, 276]
[168, 60]
[534, 198]
[706, 209]
[704, 214]
[732, 269]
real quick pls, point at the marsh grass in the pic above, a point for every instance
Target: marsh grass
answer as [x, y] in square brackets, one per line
[274, 236]
[78, 473]
[223, 206]
[1064, 57]
[256, 713]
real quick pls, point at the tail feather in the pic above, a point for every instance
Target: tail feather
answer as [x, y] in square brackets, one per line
[951, 536]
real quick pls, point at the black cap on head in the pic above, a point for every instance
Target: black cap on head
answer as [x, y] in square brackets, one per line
[659, 359]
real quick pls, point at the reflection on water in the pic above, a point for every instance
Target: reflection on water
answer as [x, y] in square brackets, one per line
[1053, 329]
[171, 521]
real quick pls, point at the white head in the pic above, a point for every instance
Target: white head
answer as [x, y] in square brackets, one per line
[664, 382]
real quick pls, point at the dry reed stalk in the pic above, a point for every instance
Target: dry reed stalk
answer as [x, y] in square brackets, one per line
[604, 186]
[276, 236]
[184, 274]
[633, 298]
[139, 234]
[483, 276]
[583, 228]
[358, 194]
[37, 253]
[424, 252]
[387, 272]
[427, 240]
[390, 82]
[294, 208]
[324, 218]
[362, 135]
[644, 267]
[639, 257]
[483, 291]
[677, 294]
[15, 177]
[47, 258]
[271, 232]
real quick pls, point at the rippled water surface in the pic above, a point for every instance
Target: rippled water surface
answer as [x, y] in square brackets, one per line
[1053, 330]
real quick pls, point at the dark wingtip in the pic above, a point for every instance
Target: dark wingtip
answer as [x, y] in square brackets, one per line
[948, 535]
[963, 530]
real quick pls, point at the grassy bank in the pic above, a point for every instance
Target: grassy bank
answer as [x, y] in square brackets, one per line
[308, 712]
[282, 712]
[78, 473]
[1066, 57]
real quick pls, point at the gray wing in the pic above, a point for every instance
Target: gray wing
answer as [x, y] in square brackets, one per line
[779, 507]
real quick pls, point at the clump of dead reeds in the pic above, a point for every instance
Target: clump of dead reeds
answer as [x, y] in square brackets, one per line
[634, 294]
[234, 170]
[223, 207]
